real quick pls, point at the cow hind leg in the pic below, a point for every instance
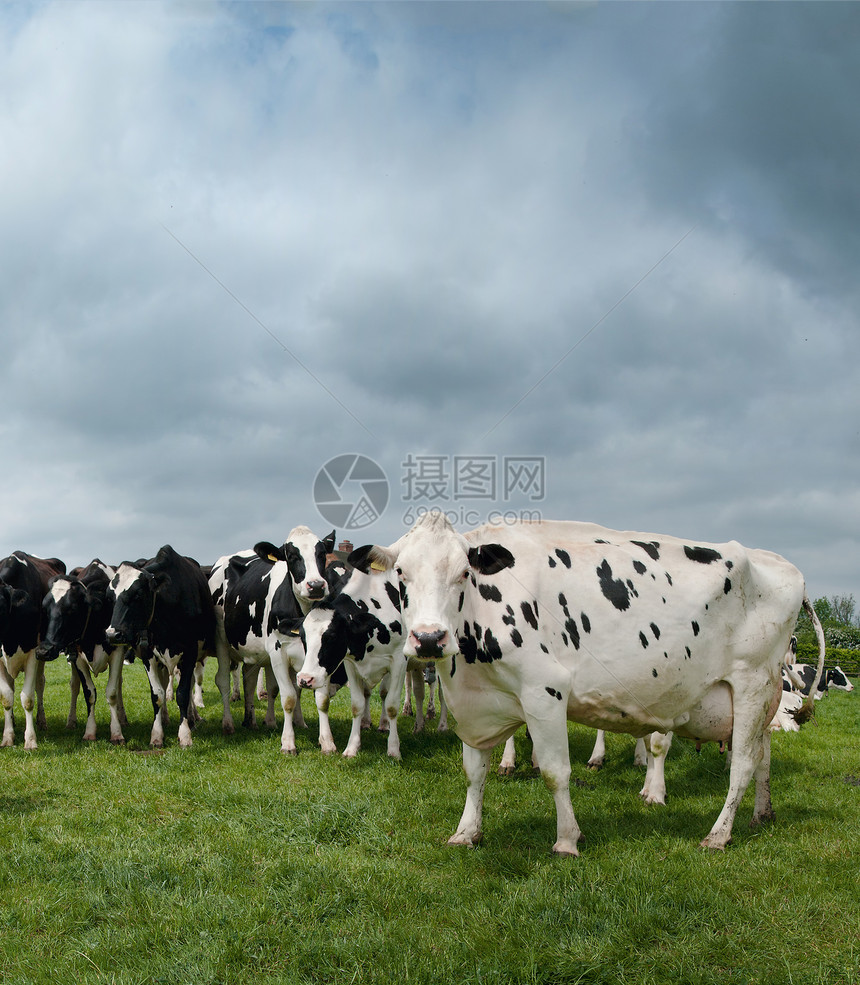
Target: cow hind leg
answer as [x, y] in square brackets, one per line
[763, 809]
[187, 666]
[7, 695]
[748, 760]
[508, 765]
[654, 790]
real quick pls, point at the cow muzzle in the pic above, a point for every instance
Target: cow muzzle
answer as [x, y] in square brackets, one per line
[315, 590]
[429, 645]
[47, 651]
[309, 681]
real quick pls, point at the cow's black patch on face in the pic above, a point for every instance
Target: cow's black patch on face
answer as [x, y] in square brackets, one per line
[703, 555]
[516, 637]
[727, 586]
[551, 561]
[613, 588]
[404, 598]
[643, 639]
[394, 594]
[530, 614]
[460, 602]
[639, 568]
[651, 548]
[396, 628]
[586, 622]
[655, 630]
[563, 556]
[695, 628]
[490, 593]
[551, 691]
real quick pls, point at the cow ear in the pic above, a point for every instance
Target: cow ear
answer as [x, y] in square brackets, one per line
[371, 557]
[328, 543]
[290, 626]
[268, 552]
[490, 558]
[19, 598]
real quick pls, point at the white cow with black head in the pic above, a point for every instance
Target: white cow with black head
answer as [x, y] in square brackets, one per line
[540, 623]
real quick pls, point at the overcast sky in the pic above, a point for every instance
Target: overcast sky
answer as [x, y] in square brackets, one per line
[239, 240]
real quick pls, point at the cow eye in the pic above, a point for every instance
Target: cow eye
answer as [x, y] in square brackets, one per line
[465, 574]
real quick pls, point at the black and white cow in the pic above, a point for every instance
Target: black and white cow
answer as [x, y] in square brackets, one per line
[305, 556]
[24, 581]
[538, 623]
[78, 609]
[415, 681]
[257, 625]
[360, 630]
[802, 677]
[163, 609]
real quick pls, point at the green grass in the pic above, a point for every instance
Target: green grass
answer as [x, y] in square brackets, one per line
[230, 863]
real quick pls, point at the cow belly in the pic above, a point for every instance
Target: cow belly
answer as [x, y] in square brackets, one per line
[712, 718]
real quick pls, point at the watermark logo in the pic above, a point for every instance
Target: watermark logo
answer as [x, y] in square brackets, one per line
[351, 491]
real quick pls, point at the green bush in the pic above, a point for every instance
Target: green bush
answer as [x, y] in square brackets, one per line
[848, 660]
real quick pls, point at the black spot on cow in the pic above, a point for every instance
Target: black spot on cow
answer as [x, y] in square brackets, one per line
[651, 548]
[702, 555]
[655, 629]
[478, 630]
[729, 565]
[653, 671]
[468, 645]
[551, 561]
[395, 627]
[564, 639]
[394, 594]
[491, 647]
[632, 589]
[376, 603]
[562, 600]
[586, 622]
[544, 648]
[563, 556]
[599, 541]
[551, 691]
[613, 588]
[695, 628]
[509, 619]
[490, 593]
[727, 586]
[516, 637]
[460, 603]
[571, 627]
[669, 578]
[643, 639]
[404, 598]
[529, 614]
[689, 654]
[639, 568]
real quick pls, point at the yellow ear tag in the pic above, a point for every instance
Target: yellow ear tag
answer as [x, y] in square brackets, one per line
[295, 632]
[272, 557]
[376, 566]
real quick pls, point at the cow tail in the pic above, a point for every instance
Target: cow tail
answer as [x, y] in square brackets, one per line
[807, 709]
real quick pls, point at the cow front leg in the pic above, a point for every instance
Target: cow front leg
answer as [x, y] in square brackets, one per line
[41, 720]
[7, 695]
[113, 696]
[157, 693]
[322, 697]
[28, 700]
[187, 667]
[391, 703]
[358, 689]
[508, 764]
[476, 765]
[289, 699]
[74, 691]
[224, 681]
[81, 671]
[598, 753]
[417, 678]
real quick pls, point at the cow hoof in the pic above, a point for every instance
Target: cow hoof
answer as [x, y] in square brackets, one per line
[89, 738]
[712, 845]
[289, 752]
[566, 847]
[30, 745]
[465, 840]
[595, 766]
[157, 745]
[228, 729]
[764, 818]
[71, 726]
[328, 750]
[117, 740]
[507, 770]
[6, 744]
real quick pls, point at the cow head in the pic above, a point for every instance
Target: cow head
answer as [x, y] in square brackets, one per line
[329, 633]
[134, 590]
[838, 679]
[67, 608]
[435, 566]
[305, 555]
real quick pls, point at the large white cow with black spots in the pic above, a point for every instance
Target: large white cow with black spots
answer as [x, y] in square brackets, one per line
[538, 623]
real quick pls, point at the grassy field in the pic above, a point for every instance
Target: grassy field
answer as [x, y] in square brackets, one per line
[229, 863]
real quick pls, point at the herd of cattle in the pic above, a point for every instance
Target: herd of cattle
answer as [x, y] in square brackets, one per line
[531, 623]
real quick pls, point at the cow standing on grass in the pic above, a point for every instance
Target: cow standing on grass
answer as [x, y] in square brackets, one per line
[260, 598]
[24, 581]
[162, 608]
[541, 623]
[78, 609]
